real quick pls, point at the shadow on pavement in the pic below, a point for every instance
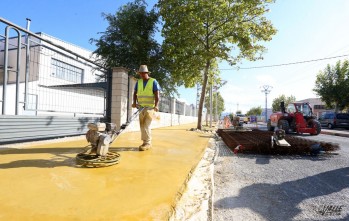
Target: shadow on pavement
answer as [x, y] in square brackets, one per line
[51, 150]
[57, 161]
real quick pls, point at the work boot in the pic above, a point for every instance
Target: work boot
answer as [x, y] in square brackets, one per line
[144, 147]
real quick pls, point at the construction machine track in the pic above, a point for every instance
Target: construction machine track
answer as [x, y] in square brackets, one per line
[259, 142]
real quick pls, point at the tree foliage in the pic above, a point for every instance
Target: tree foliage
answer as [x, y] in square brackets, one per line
[129, 42]
[277, 101]
[200, 33]
[254, 111]
[332, 85]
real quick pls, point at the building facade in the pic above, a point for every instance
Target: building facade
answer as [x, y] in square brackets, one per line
[317, 105]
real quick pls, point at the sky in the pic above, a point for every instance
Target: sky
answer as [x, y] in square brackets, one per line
[308, 30]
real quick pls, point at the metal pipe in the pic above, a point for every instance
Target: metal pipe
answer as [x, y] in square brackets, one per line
[4, 92]
[19, 42]
[266, 107]
[216, 115]
[27, 66]
[4, 86]
[266, 90]
[129, 98]
[211, 102]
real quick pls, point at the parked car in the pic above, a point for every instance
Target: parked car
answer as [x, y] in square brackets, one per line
[332, 120]
[242, 118]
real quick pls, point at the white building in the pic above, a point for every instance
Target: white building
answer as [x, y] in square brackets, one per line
[58, 82]
[317, 105]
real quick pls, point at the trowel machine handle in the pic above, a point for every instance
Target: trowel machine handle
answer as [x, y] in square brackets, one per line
[101, 135]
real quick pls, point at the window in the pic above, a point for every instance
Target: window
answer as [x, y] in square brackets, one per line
[306, 110]
[291, 108]
[329, 116]
[343, 116]
[66, 71]
[316, 106]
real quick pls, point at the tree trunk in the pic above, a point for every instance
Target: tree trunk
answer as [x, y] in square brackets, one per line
[202, 96]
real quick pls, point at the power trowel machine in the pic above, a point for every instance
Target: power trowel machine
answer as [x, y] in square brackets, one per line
[100, 136]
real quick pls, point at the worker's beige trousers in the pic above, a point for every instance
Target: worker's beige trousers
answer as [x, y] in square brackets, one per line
[145, 119]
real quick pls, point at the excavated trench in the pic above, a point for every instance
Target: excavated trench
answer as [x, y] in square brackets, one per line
[259, 142]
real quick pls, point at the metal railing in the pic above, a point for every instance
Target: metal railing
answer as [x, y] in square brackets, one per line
[52, 77]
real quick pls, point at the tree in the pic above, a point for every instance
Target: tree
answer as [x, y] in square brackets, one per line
[199, 33]
[332, 85]
[129, 42]
[277, 101]
[216, 99]
[254, 111]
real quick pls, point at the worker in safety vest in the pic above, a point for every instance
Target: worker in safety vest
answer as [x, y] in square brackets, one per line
[146, 94]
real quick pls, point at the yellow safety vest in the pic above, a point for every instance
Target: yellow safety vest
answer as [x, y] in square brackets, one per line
[145, 96]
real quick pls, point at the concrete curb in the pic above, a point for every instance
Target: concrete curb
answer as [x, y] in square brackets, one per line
[196, 201]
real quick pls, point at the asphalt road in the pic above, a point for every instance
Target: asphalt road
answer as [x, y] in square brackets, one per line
[257, 187]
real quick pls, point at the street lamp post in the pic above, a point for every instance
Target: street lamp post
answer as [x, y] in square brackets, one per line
[211, 103]
[266, 90]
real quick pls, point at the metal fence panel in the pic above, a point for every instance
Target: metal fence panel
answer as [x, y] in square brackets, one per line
[50, 78]
[179, 107]
[27, 128]
[165, 104]
[48, 87]
[189, 110]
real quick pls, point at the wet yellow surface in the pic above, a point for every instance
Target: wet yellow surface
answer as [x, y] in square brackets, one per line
[42, 181]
